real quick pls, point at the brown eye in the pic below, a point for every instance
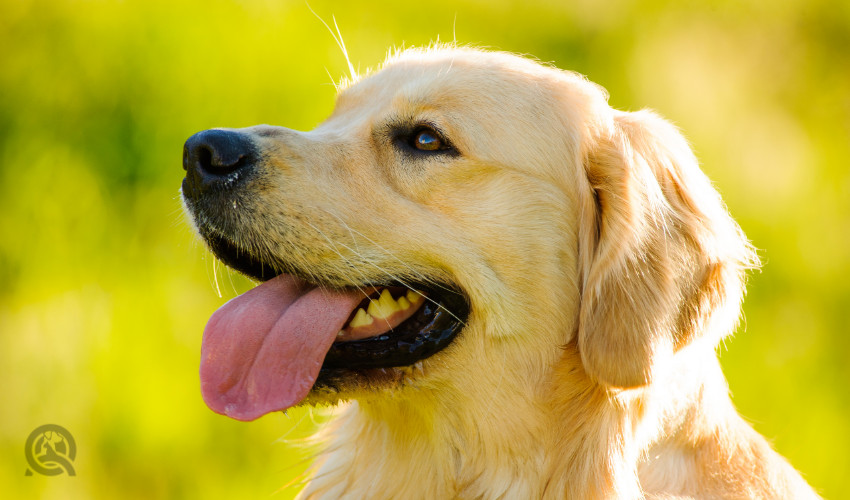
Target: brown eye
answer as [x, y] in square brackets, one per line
[426, 140]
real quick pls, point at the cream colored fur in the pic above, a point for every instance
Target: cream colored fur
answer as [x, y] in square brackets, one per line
[601, 266]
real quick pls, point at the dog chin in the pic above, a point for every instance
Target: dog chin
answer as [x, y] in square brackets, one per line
[334, 386]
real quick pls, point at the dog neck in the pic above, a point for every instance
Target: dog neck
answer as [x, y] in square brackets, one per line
[558, 438]
[565, 437]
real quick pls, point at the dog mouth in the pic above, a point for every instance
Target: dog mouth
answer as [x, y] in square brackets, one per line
[266, 349]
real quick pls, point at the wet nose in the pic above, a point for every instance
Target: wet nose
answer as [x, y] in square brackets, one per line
[215, 155]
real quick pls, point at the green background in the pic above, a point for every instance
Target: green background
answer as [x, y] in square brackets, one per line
[104, 291]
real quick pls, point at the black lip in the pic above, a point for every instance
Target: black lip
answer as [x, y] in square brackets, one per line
[236, 258]
[428, 331]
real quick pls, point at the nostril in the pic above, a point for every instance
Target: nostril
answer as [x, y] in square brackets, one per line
[205, 157]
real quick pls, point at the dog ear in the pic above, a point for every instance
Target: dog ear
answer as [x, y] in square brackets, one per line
[662, 261]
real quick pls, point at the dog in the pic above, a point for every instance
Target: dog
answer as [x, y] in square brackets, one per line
[512, 290]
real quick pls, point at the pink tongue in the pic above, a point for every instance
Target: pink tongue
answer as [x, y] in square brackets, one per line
[262, 350]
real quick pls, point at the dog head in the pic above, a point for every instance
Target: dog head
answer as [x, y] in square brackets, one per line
[494, 210]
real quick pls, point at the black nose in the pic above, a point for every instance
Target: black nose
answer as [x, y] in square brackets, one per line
[216, 155]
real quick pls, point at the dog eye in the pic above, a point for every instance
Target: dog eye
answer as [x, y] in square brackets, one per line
[427, 140]
[422, 140]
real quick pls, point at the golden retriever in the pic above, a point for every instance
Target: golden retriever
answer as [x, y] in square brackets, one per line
[517, 290]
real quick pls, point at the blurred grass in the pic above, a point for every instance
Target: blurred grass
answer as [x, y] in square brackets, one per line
[105, 292]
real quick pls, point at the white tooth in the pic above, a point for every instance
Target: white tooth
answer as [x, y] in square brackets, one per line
[361, 318]
[340, 333]
[414, 297]
[384, 307]
[403, 303]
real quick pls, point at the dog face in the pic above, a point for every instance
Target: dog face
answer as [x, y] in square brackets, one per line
[499, 208]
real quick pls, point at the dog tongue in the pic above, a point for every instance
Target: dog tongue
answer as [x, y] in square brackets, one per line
[262, 350]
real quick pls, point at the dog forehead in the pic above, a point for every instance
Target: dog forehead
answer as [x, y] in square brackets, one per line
[455, 79]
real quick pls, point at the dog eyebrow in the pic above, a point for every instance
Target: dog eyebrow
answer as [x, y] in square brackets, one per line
[409, 126]
[400, 124]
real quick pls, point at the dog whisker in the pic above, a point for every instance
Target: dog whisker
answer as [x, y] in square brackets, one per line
[403, 282]
[332, 246]
[416, 274]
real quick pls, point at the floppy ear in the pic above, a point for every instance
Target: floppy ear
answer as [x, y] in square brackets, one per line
[662, 261]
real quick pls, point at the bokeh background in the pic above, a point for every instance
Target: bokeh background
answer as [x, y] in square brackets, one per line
[104, 291]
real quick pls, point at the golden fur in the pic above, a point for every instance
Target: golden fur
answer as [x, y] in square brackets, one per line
[602, 270]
